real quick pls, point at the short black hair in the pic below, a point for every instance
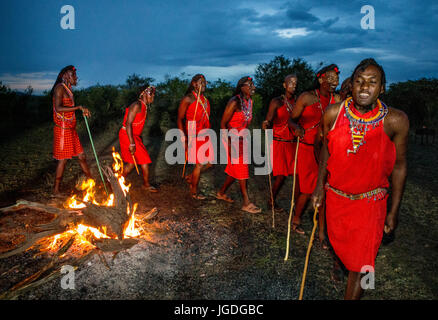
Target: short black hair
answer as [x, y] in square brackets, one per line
[290, 75]
[365, 63]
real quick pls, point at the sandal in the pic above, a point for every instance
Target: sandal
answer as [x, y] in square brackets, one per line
[198, 196]
[296, 228]
[151, 189]
[223, 197]
[251, 208]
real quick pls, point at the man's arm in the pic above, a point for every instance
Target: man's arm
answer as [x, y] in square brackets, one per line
[132, 112]
[273, 106]
[397, 128]
[326, 124]
[228, 113]
[184, 104]
[302, 102]
[59, 107]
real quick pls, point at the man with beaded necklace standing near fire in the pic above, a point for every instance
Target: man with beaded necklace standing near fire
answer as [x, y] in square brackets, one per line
[364, 143]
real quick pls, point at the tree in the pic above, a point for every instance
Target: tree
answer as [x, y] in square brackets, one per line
[269, 77]
[417, 98]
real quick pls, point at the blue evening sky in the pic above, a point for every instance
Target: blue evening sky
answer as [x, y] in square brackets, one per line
[221, 39]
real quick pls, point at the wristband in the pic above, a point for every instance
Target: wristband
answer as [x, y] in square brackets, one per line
[132, 145]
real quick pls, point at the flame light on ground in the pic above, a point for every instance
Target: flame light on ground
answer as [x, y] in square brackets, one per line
[84, 234]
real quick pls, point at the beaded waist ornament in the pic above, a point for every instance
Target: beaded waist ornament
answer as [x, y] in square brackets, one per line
[359, 126]
[375, 194]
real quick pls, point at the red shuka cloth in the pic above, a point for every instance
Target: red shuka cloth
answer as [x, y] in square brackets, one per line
[235, 166]
[355, 227]
[307, 166]
[141, 155]
[283, 153]
[66, 142]
[202, 119]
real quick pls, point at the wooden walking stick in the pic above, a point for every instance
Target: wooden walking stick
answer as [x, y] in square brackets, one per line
[292, 204]
[194, 118]
[270, 183]
[135, 163]
[95, 154]
[309, 247]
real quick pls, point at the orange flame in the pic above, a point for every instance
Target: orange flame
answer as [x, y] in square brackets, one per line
[84, 232]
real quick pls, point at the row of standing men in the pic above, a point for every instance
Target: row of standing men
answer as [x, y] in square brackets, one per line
[345, 153]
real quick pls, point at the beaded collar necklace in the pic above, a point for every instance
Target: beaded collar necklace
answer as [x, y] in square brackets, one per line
[288, 105]
[359, 126]
[246, 107]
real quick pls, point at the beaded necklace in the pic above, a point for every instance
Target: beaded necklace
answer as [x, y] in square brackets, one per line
[288, 105]
[246, 107]
[359, 126]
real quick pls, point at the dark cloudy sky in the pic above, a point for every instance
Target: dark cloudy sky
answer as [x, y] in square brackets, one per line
[221, 38]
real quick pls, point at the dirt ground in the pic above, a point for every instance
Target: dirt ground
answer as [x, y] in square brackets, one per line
[209, 249]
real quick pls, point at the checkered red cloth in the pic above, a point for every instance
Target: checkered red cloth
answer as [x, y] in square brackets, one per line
[66, 142]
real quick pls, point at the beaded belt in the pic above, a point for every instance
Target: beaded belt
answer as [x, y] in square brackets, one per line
[281, 139]
[376, 194]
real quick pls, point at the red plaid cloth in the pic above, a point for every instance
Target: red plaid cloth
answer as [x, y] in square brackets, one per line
[66, 142]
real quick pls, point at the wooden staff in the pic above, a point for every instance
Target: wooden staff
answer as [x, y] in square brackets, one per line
[292, 204]
[194, 118]
[135, 163]
[270, 183]
[309, 247]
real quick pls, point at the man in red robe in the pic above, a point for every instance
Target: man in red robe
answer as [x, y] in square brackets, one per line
[66, 142]
[308, 112]
[283, 148]
[364, 143]
[193, 118]
[236, 119]
[131, 143]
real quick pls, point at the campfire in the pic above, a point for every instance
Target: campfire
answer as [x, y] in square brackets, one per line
[91, 222]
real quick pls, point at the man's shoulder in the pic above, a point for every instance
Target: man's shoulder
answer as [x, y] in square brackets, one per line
[307, 97]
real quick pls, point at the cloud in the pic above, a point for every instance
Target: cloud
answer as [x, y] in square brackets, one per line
[39, 81]
[292, 32]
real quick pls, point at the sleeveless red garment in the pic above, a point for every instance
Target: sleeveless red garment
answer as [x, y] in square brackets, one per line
[201, 143]
[66, 142]
[236, 167]
[307, 166]
[283, 152]
[355, 227]
[141, 155]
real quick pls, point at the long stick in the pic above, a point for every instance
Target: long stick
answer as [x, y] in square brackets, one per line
[135, 164]
[270, 183]
[292, 203]
[194, 117]
[309, 247]
[95, 154]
